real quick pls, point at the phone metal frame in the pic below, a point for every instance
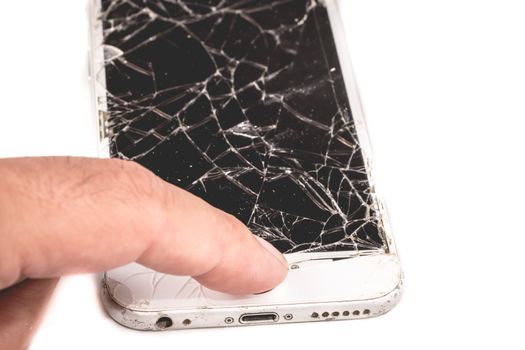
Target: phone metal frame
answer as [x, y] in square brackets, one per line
[144, 319]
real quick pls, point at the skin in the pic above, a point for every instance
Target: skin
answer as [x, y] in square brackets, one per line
[62, 216]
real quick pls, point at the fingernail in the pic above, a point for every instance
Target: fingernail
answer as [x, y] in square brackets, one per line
[271, 249]
[266, 291]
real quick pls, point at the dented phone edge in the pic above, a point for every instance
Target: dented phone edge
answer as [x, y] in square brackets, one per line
[212, 317]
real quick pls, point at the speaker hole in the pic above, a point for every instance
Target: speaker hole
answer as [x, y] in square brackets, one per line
[164, 322]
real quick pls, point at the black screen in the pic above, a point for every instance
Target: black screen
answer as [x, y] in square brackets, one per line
[243, 103]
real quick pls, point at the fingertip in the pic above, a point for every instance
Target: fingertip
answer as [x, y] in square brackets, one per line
[273, 251]
[273, 269]
[255, 268]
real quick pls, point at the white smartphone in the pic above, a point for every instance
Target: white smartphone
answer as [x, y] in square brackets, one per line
[251, 105]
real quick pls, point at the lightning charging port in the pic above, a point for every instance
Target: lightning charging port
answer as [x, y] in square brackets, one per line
[265, 317]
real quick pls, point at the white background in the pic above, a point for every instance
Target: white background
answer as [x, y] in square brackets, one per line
[443, 87]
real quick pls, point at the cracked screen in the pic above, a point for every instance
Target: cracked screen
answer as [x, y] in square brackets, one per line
[242, 103]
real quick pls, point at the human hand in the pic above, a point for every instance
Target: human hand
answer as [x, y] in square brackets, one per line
[62, 216]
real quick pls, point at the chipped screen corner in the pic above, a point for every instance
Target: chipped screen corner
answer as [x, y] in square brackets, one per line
[244, 104]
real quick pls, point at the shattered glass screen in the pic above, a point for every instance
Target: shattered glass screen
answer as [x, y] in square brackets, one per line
[243, 103]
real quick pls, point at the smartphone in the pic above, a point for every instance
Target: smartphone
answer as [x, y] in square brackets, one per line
[252, 106]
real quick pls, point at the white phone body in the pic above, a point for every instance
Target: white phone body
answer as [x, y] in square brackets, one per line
[319, 286]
